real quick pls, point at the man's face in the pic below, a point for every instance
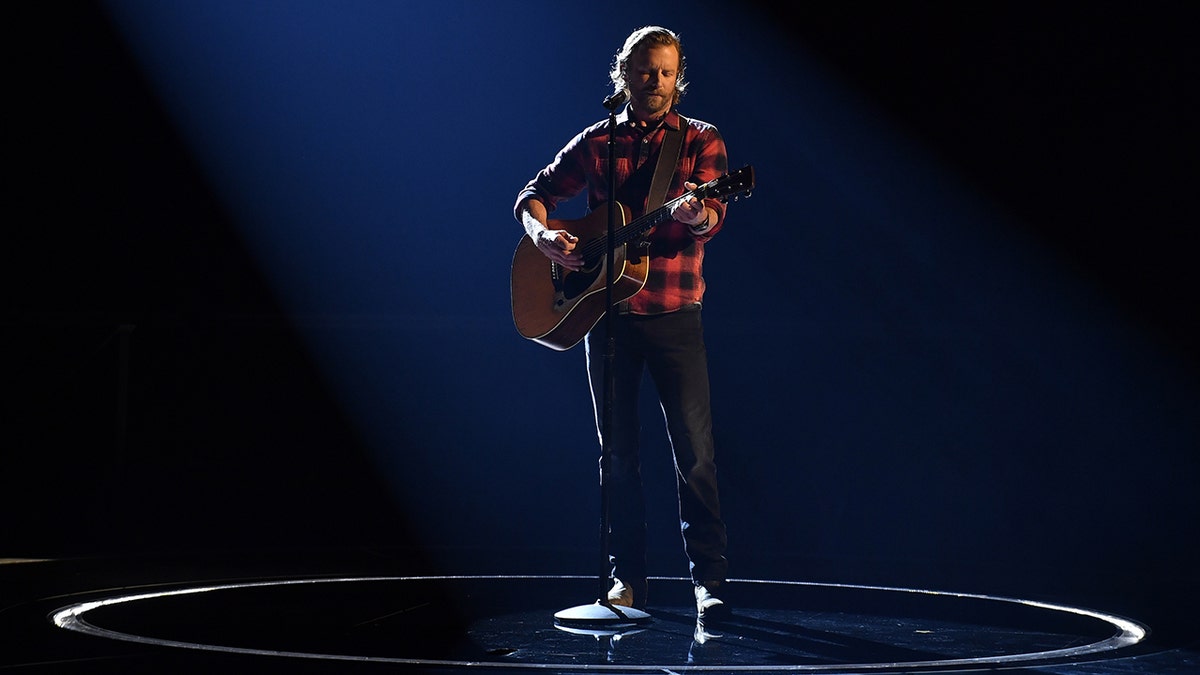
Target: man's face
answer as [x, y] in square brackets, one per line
[651, 74]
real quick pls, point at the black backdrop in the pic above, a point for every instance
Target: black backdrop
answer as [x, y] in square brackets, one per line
[889, 408]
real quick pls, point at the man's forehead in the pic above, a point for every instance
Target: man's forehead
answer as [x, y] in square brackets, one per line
[657, 53]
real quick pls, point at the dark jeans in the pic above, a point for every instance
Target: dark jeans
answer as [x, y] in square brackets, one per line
[671, 347]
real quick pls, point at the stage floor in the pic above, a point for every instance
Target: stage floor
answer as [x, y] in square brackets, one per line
[350, 614]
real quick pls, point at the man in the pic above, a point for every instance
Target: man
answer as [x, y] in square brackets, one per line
[658, 328]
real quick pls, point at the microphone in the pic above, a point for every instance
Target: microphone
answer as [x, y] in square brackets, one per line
[615, 99]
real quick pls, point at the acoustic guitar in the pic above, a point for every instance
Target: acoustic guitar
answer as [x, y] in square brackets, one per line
[555, 306]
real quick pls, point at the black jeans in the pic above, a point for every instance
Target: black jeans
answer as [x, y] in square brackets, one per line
[671, 347]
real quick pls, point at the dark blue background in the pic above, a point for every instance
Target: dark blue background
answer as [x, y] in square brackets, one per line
[258, 267]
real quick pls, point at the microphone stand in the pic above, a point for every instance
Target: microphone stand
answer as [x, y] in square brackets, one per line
[603, 612]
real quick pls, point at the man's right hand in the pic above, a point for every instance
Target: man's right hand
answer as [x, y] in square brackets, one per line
[559, 246]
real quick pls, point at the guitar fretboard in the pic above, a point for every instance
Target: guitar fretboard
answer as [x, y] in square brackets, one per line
[627, 233]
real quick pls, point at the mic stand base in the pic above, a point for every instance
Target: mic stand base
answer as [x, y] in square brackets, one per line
[601, 613]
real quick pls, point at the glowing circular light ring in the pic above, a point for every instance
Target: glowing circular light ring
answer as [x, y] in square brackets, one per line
[1127, 632]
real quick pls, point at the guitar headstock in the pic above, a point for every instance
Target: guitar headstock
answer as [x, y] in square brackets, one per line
[737, 184]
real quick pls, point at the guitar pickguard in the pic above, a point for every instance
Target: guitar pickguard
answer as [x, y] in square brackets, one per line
[575, 284]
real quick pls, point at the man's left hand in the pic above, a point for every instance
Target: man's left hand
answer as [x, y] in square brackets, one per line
[691, 210]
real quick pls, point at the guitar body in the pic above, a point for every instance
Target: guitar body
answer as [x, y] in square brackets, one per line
[556, 307]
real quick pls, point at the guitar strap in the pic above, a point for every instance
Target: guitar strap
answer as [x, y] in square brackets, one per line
[668, 158]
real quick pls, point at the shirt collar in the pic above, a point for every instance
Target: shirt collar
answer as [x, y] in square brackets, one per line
[671, 119]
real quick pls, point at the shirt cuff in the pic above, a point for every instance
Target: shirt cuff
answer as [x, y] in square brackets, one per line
[705, 226]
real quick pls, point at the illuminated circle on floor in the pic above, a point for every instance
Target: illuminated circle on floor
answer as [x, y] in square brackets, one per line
[1125, 631]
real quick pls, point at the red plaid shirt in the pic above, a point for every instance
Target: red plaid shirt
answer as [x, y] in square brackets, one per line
[675, 278]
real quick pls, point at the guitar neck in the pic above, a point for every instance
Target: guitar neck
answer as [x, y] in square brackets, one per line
[642, 225]
[632, 230]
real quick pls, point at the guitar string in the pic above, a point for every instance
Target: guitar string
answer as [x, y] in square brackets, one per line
[622, 234]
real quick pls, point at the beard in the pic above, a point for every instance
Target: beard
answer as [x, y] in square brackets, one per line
[653, 105]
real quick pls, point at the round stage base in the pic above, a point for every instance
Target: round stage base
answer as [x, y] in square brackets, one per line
[511, 622]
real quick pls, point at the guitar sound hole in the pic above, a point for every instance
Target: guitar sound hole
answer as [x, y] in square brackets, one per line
[577, 283]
